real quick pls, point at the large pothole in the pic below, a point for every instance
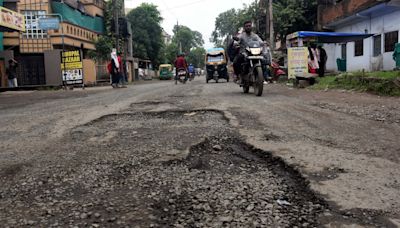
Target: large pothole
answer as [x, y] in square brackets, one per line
[158, 169]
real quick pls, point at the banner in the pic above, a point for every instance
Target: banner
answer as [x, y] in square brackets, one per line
[297, 62]
[72, 67]
[11, 19]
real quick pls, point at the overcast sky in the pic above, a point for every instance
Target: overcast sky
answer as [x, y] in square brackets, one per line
[198, 15]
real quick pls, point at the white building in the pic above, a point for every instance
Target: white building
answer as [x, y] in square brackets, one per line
[371, 54]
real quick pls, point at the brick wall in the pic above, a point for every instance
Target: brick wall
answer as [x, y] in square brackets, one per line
[329, 12]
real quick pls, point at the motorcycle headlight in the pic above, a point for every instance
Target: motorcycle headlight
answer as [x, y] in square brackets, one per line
[255, 51]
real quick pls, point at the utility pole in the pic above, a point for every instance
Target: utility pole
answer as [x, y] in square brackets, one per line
[271, 26]
[177, 32]
[116, 24]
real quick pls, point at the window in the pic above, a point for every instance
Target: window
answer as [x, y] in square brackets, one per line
[359, 48]
[32, 24]
[391, 39]
[377, 45]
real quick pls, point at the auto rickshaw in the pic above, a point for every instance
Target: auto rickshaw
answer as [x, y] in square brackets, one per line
[216, 65]
[166, 72]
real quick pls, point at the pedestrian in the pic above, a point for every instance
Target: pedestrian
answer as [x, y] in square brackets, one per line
[115, 69]
[11, 73]
[313, 56]
[323, 58]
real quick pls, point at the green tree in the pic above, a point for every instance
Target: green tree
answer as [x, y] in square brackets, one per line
[293, 15]
[170, 52]
[187, 38]
[147, 32]
[196, 57]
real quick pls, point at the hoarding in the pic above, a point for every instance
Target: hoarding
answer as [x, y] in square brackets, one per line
[297, 62]
[72, 67]
[11, 19]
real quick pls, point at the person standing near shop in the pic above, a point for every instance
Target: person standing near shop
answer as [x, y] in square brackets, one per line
[323, 58]
[11, 72]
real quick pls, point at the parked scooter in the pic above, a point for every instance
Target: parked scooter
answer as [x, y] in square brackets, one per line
[276, 70]
[182, 76]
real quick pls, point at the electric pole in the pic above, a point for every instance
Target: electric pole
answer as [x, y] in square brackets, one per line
[271, 26]
[177, 35]
[116, 24]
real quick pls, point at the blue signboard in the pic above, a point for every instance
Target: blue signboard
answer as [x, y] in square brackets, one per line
[49, 23]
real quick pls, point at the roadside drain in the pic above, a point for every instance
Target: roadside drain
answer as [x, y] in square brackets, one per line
[159, 169]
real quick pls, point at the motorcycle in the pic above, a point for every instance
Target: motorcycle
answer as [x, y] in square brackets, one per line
[252, 73]
[182, 76]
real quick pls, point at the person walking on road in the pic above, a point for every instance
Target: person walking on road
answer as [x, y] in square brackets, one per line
[115, 69]
[11, 72]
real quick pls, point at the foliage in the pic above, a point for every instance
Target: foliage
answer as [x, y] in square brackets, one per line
[147, 32]
[289, 16]
[196, 57]
[187, 38]
[381, 83]
[106, 42]
[191, 42]
[229, 22]
[104, 45]
[294, 15]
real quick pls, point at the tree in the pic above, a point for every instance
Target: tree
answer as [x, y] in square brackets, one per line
[105, 42]
[289, 16]
[293, 15]
[104, 45]
[147, 32]
[196, 57]
[185, 37]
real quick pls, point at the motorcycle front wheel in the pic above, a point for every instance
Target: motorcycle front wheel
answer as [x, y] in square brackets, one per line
[259, 82]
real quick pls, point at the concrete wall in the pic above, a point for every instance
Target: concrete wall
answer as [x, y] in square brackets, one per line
[376, 25]
[52, 65]
[89, 72]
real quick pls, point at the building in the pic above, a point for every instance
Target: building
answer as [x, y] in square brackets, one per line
[166, 37]
[38, 51]
[378, 17]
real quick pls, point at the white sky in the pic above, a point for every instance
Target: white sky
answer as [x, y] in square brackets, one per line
[198, 15]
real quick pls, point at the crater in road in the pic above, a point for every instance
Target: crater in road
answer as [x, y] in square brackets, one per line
[159, 169]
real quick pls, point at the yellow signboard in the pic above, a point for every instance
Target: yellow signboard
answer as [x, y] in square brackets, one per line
[297, 62]
[11, 19]
[72, 67]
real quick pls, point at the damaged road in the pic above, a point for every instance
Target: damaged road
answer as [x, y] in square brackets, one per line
[197, 155]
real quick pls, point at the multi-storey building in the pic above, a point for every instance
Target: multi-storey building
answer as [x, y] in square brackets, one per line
[378, 17]
[37, 50]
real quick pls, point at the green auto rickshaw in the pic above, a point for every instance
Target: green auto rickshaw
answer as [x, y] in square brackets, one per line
[216, 65]
[166, 72]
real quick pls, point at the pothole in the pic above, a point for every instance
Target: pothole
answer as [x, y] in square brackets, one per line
[159, 169]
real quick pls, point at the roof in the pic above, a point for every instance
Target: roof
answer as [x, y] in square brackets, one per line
[215, 50]
[329, 37]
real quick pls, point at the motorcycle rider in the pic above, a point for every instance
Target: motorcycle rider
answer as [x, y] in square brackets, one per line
[191, 70]
[180, 63]
[244, 38]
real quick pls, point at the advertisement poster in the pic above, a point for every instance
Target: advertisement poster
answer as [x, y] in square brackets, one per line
[72, 67]
[11, 19]
[297, 62]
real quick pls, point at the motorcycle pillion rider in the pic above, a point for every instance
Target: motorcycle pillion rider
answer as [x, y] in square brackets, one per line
[180, 63]
[243, 39]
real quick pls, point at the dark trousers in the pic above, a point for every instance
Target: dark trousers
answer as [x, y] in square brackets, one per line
[115, 78]
[321, 70]
[237, 64]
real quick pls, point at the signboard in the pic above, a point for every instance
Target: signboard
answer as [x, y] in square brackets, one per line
[297, 61]
[49, 23]
[11, 19]
[72, 67]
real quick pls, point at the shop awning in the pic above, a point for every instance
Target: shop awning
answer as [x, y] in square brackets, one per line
[329, 37]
